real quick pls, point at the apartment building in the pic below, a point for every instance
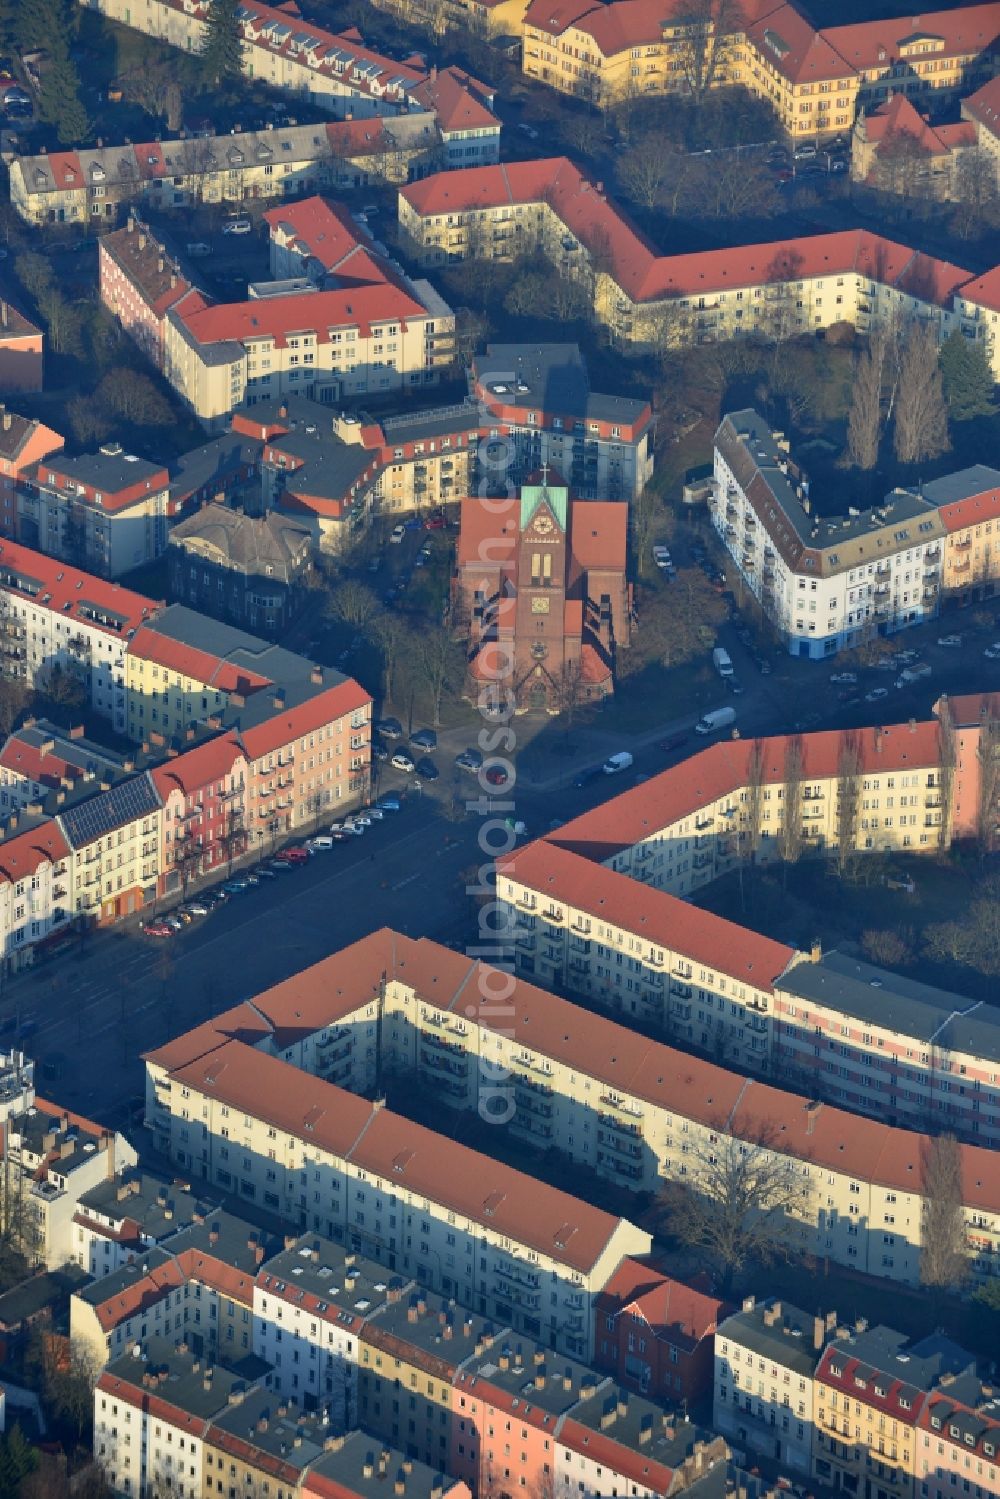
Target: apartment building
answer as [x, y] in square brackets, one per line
[79, 187]
[420, 1346]
[631, 1110]
[766, 1360]
[338, 343]
[122, 1218]
[871, 1388]
[825, 583]
[195, 1287]
[23, 443]
[537, 408]
[958, 1441]
[55, 615]
[775, 290]
[51, 1158]
[355, 1467]
[106, 512]
[463, 108]
[250, 570]
[814, 80]
[114, 836]
[265, 1440]
[389, 1189]
[39, 760]
[152, 1415]
[969, 506]
[655, 1334]
[203, 793]
[311, 1303]
[982, 110]
[22, 350]
[35, 905]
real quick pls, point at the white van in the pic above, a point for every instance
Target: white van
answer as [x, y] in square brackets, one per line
[721, 662]
[718, 718]
[618, 762]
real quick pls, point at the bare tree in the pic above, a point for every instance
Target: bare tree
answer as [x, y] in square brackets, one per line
[752, 814]
[943, 1250]
[790, 835]
[706, 33]
[976, 189]
[570, 693]
[642, 170]
[864, 422]
[902, 166]
[352, 602]
[947, 758]
[440, 663]
[921, 417]
[988, 758]
[390, 631]
[850, 763]
[745, 1202]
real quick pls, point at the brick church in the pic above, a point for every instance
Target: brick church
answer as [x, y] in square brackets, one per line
[541, 581]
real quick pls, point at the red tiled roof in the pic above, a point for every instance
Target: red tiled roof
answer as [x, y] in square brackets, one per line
[984, 106]
[23, 854]
[983, 1425]
[454, 102]
[896, 1389]
[662, 920]
[556, 16]
[324, 230]
[189, 661]
[899, 116]
[671, 1310]
[197, 767]
[630, 1463]
[647, 276]
[65, 590]
[317, 311]
[970, 512]
[143, 1293]
[36, 763]
[599, 534]
[722, 768]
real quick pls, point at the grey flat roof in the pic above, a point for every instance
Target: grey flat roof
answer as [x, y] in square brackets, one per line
[346, 1467]
[788, 1341]
[158, 1205]
[904, 1005]
[552, 376]
[962, 485]
[105, 471]
[198, 1386]
[319, 1267]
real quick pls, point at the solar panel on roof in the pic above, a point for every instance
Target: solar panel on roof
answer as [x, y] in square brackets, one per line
[109, 810]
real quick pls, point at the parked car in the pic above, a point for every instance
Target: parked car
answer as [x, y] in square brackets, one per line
[953, 642]
[402, 761]
[238, 226]
[496, 776]
[674, 741]
[265, 872]
[280, 866]
[389, 804]
[424, 739]
[805, 152]
[397, 534]
[876, 695]
[844, 678]
[158, 929]
[426, 769]
[992, 652]
[614, 764]
[320, 843]
[389, 728]
[469, 759]
[435, 523]
[235, 887]
[661, 556]
[198, 248]
[198, 908]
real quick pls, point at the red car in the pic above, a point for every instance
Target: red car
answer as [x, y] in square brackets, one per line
[292, 856]
[496, 776]
[435, 523]
[158, 929]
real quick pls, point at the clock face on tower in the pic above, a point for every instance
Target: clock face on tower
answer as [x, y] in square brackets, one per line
[540, 605]
[543, 524]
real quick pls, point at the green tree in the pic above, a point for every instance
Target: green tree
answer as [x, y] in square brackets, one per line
[42, 23]
[967, 377]
[222, 46]
[17, 1459]
[59, 101]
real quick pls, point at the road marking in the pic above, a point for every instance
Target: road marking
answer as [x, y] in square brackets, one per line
[416, 875]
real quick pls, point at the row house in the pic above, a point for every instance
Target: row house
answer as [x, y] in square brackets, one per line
[152, 1413]
[825, 584]
[767, 1356]
[655, 1334]
[872, 1386]
[39, 760]
[53, 615]
[106, 512]
[774, 290]
[35, 891]
[957, 1442]
[969, 506]
[389, 1189]
[126, 1215]
[80, 187]
[647, 1113]
[196, 1287]
[114, 836]
[51, 1158]
[204, 797]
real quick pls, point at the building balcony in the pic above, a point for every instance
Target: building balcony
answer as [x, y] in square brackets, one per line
[443, 1065]
[615, 1114]
[616, 1143]
[963, 544]
[631, 1170]
[532, 1101]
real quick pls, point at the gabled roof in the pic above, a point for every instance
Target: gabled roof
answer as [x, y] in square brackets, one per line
[198, 767]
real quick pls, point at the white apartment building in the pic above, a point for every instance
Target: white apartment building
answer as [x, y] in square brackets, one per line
[310, 1303]
[55, 615]
[106, 511]
[825, 584]
[151, 1415]
[766, 1356]
[626, 1108]
[35, 889]
[419, 1204]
